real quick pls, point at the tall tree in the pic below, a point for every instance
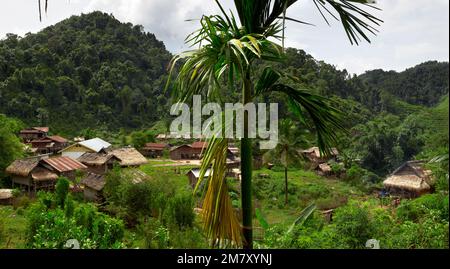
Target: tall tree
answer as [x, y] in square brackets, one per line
[228, 49]
[290, 140]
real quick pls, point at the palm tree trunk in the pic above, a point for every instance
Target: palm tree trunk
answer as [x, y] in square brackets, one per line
[246, 172]
[285, 185]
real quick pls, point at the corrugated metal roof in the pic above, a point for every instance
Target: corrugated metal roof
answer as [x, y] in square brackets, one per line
[199, 144]
[57, 138]
[196, 172]
[42, 129]
[155, 146]
[96, 144]
[64, 164]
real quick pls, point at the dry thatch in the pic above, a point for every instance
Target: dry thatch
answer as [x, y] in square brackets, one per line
[94, 158]
[128, 156]
[324, 167]
[6, 194]
[94, 181]
[42, 174]
[22, 167]
[407, 182]
[314, 151]
[410, 176]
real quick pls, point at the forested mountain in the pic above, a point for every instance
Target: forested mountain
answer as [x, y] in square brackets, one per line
[92, 71]
[423, 84]
[86, 71]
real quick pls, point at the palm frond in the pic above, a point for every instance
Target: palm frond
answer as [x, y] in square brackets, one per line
[256, 16]
[356, 21]
[304, 215]
[219, 219]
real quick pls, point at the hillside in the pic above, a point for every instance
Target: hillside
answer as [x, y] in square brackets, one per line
[103, 74]
[92, 69]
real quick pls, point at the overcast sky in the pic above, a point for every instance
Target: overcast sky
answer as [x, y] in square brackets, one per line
[413, 31]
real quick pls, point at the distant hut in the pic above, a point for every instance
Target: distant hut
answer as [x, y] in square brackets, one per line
[33, 133]
[93, 187]
[6, 196]
[98, 163]
[409, 180]
[188, 152]
[30, 174]
[49, 144]
[323, 169]
[194, 174]
[92, 145]
[314, 156]
[153, 150]
[128, 156]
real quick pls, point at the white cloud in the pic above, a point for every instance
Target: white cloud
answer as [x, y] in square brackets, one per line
[414, 30]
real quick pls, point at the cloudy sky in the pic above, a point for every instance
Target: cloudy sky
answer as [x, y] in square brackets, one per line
[413, 31]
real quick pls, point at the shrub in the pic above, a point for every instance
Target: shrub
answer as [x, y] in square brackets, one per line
[180, 210]
[353, 225]
[61, 191]
[52, 227]
[21, 202]
[413, 210]
[430, 232]
[154, 233]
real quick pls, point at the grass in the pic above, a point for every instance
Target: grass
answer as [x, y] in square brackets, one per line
[14, 227]
[304, 187]
[175, 174]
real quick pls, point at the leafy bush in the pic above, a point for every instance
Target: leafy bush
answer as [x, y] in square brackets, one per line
[353, 225]
[61, 191]
[180, 210]
[50, 226]
[430, 232]
[156, 235]
[415, 209]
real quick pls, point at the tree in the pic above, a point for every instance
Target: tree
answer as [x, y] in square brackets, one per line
[229, 50]
[10, 146]
[289, 141]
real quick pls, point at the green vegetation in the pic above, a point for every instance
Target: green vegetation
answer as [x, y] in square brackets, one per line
[109, 79]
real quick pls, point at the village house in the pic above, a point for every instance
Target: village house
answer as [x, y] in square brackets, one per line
[153, 150]
[188, 152]
[33, 133]
[314, 156]
[194, 175]
[410, 180]
[49, 144]
[98, 163]
[128, 156]
[92, 145]
[41, 172]
[6, 196]
[27, 173]
[323, 169]
[93, 187]
[63, 166]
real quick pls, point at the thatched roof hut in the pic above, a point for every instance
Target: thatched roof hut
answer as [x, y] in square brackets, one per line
[410, 179]
[22, 167]
[6, 196]
[314, 155]
[128, 156]
[95, 159]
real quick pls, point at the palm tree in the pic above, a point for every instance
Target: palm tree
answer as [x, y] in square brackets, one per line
[289, 141]
[226, 53]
